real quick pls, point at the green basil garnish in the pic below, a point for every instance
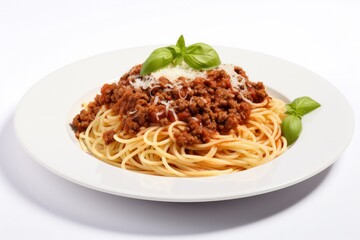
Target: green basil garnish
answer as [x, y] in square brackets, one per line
[302, 106]
[291, 128]
[181, 44]
[199, 56]
[158, 58]
[291, 125]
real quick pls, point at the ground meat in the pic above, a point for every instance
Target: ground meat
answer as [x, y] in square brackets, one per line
[108, 136]
[185, 138]
[107, 93]
[207, 104]
[231, 122]
[240, 71]
[82, 120]
[256, 92]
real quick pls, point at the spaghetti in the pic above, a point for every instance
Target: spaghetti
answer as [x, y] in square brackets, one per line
[166, 144]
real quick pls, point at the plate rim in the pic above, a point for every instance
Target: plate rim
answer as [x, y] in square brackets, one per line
[179, 198]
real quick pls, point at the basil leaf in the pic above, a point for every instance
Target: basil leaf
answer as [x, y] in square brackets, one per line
[290, 110]
[175, 50]
[201, 56]
[302, 105]
[178, 60]
[158, 59]
[181, 44]
[176, 54]
[291, 128]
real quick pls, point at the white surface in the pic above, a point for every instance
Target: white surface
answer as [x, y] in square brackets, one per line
[40, 123]
[38, 37]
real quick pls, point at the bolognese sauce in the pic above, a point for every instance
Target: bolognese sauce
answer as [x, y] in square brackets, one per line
[214, 102]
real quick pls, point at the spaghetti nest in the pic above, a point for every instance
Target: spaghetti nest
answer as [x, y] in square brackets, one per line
[184, 123]
[155, 149]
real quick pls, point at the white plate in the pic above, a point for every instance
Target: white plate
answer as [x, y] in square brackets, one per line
[43, 116]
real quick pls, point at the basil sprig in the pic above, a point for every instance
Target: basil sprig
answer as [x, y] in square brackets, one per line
[291, 126]
[199, 56]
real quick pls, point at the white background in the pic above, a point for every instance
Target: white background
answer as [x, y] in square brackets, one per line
[38, 37]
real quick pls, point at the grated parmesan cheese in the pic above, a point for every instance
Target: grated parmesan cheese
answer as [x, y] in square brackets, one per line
[167, 106]
[173, 73]
[144, 83]
[236, 79]
[158, 114]
[156, 100]
[174, 114]
[132, 112]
